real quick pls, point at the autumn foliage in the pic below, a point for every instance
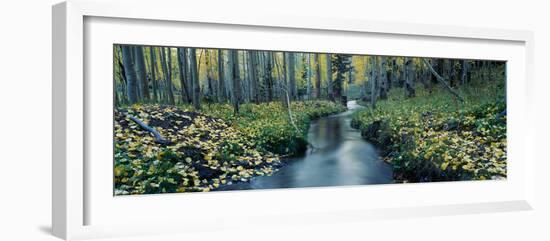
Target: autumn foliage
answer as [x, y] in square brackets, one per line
[206, 151]
[434, 137]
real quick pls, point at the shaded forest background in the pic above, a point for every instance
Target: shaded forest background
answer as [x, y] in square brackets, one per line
[169, 75]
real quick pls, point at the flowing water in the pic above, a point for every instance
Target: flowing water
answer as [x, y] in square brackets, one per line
[337, 156]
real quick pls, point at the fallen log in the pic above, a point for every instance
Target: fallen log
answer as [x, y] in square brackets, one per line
[442, 80]
[158, 137]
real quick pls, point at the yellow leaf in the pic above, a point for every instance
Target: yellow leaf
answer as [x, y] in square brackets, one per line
[118, 171]
[444, 165]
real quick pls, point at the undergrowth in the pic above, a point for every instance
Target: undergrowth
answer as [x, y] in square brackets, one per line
[435, 137]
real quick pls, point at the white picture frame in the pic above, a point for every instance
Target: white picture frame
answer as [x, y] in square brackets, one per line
[76, 199]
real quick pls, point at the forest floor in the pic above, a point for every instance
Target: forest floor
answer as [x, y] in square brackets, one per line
[434, 137]
[210, 148]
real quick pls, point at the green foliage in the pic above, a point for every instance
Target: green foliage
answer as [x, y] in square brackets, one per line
[434, 137]
[341, 63]
[268, 125]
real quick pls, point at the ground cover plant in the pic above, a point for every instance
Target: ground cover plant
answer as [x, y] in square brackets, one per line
[200, 152]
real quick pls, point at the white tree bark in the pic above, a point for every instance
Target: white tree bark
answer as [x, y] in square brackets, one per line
[372, 80]
[329, 77]
[383, 78]
[308, 76]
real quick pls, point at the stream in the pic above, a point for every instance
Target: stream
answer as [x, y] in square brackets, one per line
[338, 156]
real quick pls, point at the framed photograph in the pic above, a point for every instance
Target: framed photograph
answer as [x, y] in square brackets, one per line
[166, 120]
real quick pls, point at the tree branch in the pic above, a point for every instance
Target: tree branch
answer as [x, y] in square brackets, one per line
[440, 79]
[289, 109]
[158, 137]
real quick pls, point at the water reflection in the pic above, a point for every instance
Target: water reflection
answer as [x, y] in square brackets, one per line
[337, 156]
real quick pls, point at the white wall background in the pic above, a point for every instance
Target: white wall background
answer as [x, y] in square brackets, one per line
[25, 119]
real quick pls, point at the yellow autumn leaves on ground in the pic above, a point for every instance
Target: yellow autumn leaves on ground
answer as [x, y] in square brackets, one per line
[207, 149]
[206, 152]
[433, 137]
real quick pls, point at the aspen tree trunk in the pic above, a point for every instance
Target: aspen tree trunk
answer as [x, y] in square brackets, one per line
[329, 77]
[213, 72]
[483, 70]
[195, 78]
[490, 69]
[284, 91]
[245, 83]
[401, 72]
[138, 81]
[248, 79]
[122, 75]
[383, 78]
[140, 72]
[372, 80]
[153, 73]
[130, 74]
[365, 87]
[464, 74]
[440, 66]
[447, 69]
[182, 63]
[308, 76]
[235, 79]
[207, 90]
[350, 80]
[409, 81]
[452, 72]
[221, 77]
[292, 76]
[161, 78]
[277, 79]
[253, 77]
[317, 77]
[269, 76]
[257, 73]
[210, 74]
[427, 78]
[261, 63]
[283, 84]
[280, 72]
[434, 65]
[390, 74]
[392, 77]
[188, 75]
[169, 95]
[169, 83]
